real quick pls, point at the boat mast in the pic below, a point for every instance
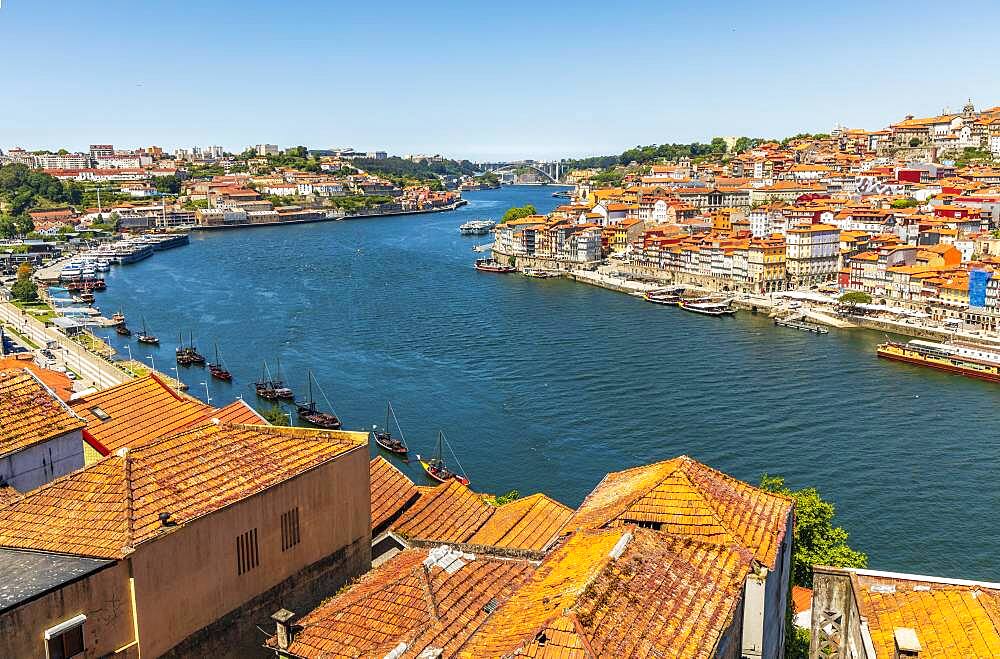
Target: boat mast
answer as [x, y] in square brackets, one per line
[388, 406]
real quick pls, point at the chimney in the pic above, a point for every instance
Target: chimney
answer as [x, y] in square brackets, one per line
[283, 618]
[907, 645]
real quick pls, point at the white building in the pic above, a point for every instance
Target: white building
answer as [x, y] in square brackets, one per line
[56, 161]
[41, 438]
[812, 253]
[266, 149]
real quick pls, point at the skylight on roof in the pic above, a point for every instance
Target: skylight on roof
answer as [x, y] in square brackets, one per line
[100, 414]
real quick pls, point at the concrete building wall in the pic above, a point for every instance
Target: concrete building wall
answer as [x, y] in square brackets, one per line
[836, 621]
[102, 596]
[188, 579]
[776, 592]
[39, 464]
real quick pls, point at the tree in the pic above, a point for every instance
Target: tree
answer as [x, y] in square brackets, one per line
[24, 289]
[914, 141]
[816, 540]
[275, 415]
[718, 146]
[500, 499]
[853, 298]
[909, 202]
[518, 212]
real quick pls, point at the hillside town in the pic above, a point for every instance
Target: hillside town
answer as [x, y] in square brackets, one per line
[147, 189]
[138, 520]
[907, 215]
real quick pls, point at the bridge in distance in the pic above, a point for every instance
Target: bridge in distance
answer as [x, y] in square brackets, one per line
[508, 172]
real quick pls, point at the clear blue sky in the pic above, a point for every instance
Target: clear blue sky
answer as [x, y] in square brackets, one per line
[476, 79]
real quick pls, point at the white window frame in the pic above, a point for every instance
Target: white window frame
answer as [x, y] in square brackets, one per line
[62, 628]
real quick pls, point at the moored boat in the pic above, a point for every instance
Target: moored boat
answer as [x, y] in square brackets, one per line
[121, 329]
[667, 299]
[477, 227]
[539, 274]
[217, 370]
[146, 337]
[708, 307]
[188, 355]
[383, 437]
[492, 265]
[309, 412]
[436, 468]
[969, 359]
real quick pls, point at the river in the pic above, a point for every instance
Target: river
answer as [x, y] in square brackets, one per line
[548, 385]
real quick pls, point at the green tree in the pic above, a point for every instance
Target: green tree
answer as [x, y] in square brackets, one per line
[816, 540]
[500, 499]
[914, 141]
[518, 212]
[909, 202]
[853, 298]
[718, 146]
[24, 289]
[275, 415]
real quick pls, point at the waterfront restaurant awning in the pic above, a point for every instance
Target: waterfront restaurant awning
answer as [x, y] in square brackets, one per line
[64, 323]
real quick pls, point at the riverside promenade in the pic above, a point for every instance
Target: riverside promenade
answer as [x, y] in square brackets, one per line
[93, 371]
[332, 217]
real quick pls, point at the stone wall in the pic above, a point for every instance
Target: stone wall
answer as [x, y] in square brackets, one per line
[238, 634]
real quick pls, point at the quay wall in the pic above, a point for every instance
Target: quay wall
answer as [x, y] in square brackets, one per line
[331, 218]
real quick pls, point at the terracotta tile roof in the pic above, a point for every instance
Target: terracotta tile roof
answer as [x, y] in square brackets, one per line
[528, 523]
[615, 592]
[59, 383]
[951, 620]
[138, 411]
[106, 509]
[421, 598]
[455, 513]
[8, 494]
[452, 512]
[801, 599]
[30, 413]
[686, 498]
[239, 411]
[391, 491]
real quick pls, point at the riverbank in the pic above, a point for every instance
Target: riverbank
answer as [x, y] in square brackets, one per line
[334, 218]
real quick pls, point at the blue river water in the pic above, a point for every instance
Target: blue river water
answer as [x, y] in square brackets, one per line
[547, 385]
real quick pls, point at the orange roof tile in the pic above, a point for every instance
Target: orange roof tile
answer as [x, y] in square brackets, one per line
[30, 413]
[138, 411]
[603, 593]
[59, 383]
[391, 491]
[686, 498]
[109, 507]
[239, 411]
[421, 598]
[529, 523]
[950, 620]
[801, 599]
[7, 494]
[452, 512]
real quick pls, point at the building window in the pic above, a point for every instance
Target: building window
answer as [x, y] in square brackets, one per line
[289, 529]
[247, 556]
[65, 640]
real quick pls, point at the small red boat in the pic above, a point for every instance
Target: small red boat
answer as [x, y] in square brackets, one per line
[492, 265]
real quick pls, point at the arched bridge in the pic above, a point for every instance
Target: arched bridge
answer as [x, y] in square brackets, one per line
[550, 172]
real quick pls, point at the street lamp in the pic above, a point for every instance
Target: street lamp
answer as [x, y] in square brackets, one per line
[177, 376]
[129, 348]
[208, 397]
[151, 361]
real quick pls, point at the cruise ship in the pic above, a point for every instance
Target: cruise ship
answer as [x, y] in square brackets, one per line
[970, 359]
[477, 227]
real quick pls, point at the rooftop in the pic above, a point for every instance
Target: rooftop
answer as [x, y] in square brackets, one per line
[25, 575]
[597, 596]
[137, 411]
[419, 599]
[31, 413]
[951, 618]
[685, 498]
[391, 491]
[109, 507]
[453, 512]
